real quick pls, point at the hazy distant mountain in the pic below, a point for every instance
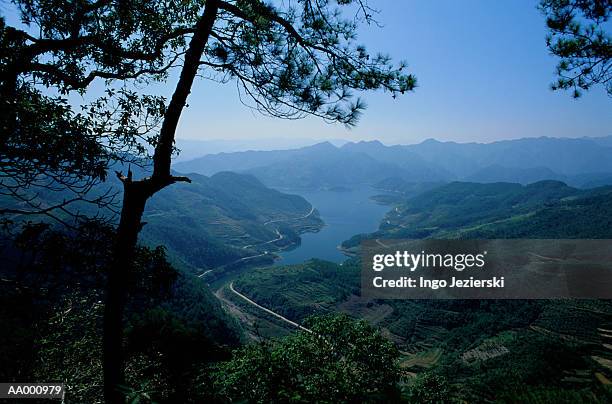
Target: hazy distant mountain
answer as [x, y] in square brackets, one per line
[246, 160]
[603, 141]
[580, 162]
[331, 169]
[497, 173]
[561, 155]
[192, 148]
[416, 168]
[591, 180]
[320, 165]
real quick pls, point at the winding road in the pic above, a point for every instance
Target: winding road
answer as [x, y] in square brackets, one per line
[285, 319]
[291, 219]
[279, 237]
[278, 233]
[233, 262]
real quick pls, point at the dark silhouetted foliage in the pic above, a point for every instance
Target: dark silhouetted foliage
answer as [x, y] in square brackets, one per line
[579, 38]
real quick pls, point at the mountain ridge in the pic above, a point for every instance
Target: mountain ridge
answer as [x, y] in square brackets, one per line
[578, 161]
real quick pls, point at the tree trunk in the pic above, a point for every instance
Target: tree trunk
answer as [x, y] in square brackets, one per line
[135, 197]
[117, 290]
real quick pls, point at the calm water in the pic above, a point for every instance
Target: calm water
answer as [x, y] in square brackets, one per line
[345, 214]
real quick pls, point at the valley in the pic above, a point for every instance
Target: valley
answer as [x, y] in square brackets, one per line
[306, 202]
[260, 250]
[362, 191]
[485, 347]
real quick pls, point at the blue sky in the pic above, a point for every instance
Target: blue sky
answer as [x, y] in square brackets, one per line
[483, 72]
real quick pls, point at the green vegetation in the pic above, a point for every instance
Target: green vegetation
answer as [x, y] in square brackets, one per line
[51, 297]
[466, 350]
[290, 286]
[340, 361]
[213, 221]
[480, 350]
[578, 36]
[219, 219]
[545, 209]
[586, 217]
[86, 304]
[483, 348]
[178, 338]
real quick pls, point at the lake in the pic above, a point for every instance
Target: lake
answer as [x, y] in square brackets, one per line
[345, 214]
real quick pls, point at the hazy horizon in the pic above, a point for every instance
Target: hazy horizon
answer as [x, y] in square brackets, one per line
[339, 141]
[195, 148]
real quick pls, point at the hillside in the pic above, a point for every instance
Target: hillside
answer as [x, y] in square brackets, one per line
[485, 347]
[220, 219]
[471, 210]
[498, 173]
[214, 221]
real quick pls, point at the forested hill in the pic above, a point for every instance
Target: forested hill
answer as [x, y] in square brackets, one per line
[546, 209]
[219, 219]
[554, 350]
[52, 282]
[211, 221]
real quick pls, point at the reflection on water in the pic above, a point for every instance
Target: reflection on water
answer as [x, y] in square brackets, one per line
[345, 214]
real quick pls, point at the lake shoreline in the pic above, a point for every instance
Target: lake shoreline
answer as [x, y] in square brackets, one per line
[345, 214]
